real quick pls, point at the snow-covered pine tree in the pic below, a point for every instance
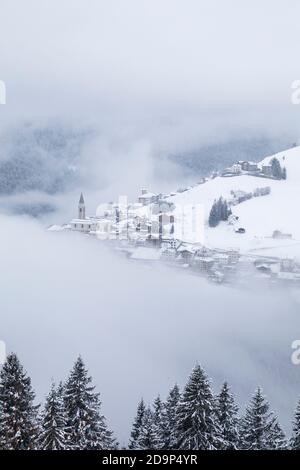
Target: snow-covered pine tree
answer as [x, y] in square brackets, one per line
[148, 439]
[18, 414]
[87, 428]
[257, 425]
[284, 175]
[220, 206]
[157, 418]
[157, 410]
[295, 439]
[276, 168]
[53, 434]
[213, 219]
[197, 422]
[277, 439]
[227, 418]
[224, 210]
[136, 427]
[219, 212]
[168, 439]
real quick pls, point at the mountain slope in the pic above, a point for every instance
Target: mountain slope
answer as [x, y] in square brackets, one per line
[260, 216]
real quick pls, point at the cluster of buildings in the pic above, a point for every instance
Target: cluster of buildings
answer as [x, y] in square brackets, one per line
[286, 270]
[216, 264]
[147, 231]
[150, 220]
[249, 168]
[150, 235]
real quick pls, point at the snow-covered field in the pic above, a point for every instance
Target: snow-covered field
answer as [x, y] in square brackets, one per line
[260, 216]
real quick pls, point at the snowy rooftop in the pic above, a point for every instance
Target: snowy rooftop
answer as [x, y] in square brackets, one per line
[146, 195]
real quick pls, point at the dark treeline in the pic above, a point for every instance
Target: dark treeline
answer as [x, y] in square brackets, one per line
[278, 172]
[219, 212]
[191, 419]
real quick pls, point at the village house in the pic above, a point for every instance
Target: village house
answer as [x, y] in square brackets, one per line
[146, 197]
[221, 259]
[185, 252]
[248, 166]
[233, 256]
[203, 263]
[162, 206]
[233, 170]
[267, 170]
[252, 166]
[278, 235]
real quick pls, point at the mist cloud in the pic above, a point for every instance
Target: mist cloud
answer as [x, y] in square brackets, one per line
[139, 61]
[139, 328]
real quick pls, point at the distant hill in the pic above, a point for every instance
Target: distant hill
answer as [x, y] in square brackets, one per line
[216, 156]
[39, 159]
[260, 217]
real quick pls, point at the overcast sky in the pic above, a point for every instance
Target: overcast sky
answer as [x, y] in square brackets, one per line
[202, 63]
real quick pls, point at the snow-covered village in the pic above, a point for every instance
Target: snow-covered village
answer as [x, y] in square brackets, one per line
[236, 225]
[150, 231]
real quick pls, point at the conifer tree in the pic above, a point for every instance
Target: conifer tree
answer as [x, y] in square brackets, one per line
[277, 438]
[148, 439]
[157, 410]
[168, 436]
[276, 169]
[18, 414]
[224, 210]
[137, 424]
[53, 434]
[87, 428]
[219, 212]
[257, 425]
[220, 206]
[295, 439]
[213, 216]
[227, 418]
[197, 422]
[284, 175]
[157, 419]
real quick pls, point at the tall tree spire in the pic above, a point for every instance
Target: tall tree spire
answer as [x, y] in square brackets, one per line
[227, 418]
[18, 414]
[295, 440]
[259, 428]
[197, 423]
[137, 424]
[87, 427]
[53, 433]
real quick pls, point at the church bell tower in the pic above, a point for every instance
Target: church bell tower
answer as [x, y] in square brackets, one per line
[81, 208]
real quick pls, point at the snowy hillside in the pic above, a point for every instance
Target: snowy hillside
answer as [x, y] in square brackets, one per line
[259, 216]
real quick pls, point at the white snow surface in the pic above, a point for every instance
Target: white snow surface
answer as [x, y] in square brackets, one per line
[260, 216]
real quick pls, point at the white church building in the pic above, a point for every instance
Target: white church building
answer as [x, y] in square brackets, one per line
[83, 223]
